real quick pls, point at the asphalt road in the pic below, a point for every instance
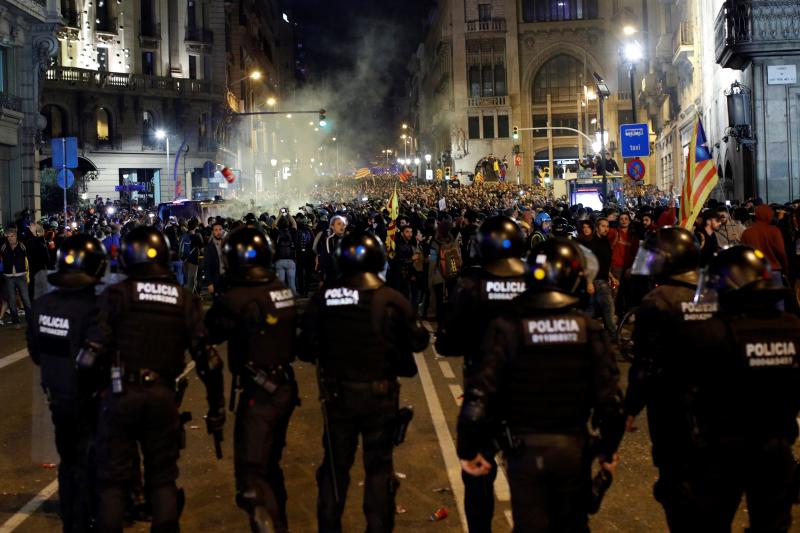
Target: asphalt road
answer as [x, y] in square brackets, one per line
[426, 462]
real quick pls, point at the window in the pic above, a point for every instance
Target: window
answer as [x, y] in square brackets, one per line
[147, 18]
[149, 130]
[474, 127]
[499, 80]
[484, 12]
[556, 10]
[561, 78]
[191, 15]
[488, 85]
[502, 126]
[192, 67]
[103, 20]
[102, 59]
[148, 64]
[557, 121]
[3, 69]
[103, 127]
[56, 123]
[474, 81]
[206, 67]
[488, 127]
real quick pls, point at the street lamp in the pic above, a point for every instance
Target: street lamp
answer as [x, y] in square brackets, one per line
[271, 101]
[428, 158]
[603, 92]
[628, 30]
[633, 52]
[162, 135]
[255, 75]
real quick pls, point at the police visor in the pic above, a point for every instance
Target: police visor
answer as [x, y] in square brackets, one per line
[648, 262]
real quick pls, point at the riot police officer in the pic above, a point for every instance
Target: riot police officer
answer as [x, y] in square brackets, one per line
[56, 332]
[744, 364]
[146, 323]
[546, 369]
[256, 315]
[362, 335]
[670, 256]
[481, 296]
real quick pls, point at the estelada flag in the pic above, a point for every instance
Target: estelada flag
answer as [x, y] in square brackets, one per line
[394, 211]
[361, 173]
[701, 177]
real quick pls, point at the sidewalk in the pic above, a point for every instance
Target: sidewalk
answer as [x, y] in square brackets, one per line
[11, 339]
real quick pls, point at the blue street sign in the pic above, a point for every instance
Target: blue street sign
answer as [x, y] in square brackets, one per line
[70, 178]
[59, 146]
[634, 140]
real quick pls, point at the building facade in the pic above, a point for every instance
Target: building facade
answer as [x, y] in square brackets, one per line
[27, 40]
[487, 66]
[133, 74]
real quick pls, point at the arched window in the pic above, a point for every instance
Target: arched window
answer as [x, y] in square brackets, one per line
[474, 81]
[561, 77]
[499, 80]
[148, 130]
[488, 86]
[103, 127]
[56, 122]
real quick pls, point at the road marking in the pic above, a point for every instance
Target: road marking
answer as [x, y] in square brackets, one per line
[13, 358]
[29, 508]
[457, 392]
[447, 370]
[443, 435]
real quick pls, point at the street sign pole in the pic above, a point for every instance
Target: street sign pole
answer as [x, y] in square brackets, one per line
[64, 172]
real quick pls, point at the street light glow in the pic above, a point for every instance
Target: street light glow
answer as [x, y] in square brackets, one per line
[416, 160]
[427, 158]
[629, 30]
[405, 126]
[255, 75]
[161, 134]
[403, 136]
[288, 115]
[273, 162]
[271, 101]
[633, 51]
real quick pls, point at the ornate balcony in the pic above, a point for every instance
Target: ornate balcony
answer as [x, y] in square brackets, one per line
[83, 79]
[682, 44]
[487, 101]
[494, 25]
[747, 29]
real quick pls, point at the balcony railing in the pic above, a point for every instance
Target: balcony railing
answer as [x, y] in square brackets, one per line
[92, 79]
[8, 101]
[746, 29]
[487, 101]
[199, 35]
[488, 25]
[150, 29]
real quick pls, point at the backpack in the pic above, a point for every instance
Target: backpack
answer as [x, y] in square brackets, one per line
[449, 260]
[185, 247]
[285, 247]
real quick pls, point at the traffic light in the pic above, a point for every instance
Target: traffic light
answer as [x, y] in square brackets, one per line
[447, 173]
[515, 135]
[322, 120]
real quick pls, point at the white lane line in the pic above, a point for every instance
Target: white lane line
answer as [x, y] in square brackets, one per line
[457, 392]
[29, 508]
[443, 435]
[13, 358]
[509, 518]
[447, 370]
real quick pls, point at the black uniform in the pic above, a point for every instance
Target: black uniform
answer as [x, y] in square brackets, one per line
[56, 332]
[480, 297]
[658, 382]
[258, 320]
[747, 370]
[145, 326]
[545, 373]
[362, 335]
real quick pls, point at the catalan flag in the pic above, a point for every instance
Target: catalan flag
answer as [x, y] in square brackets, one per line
[701, 177]
[361, 173]
[394, 211]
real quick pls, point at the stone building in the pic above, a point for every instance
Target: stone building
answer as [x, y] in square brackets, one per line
[487, 66]
[27, 39]
[130, 71]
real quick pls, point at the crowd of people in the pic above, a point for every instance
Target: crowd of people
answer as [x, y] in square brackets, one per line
[537, 371]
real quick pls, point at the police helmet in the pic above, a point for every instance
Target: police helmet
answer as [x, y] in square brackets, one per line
[559, 270]
[560, 227]
[81, 261]
[360, 253]
[541, 218]
[501, 244]
[145, 253]
[742, 271]
[249, 254]
[670, 251]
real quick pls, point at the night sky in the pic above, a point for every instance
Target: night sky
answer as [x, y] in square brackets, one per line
[362, 48]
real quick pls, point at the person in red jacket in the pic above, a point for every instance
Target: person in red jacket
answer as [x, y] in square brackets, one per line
[767, 238]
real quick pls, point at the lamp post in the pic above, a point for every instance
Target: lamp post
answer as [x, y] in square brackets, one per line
[603, 92]
[163, 135]
[274, 163]
[633, 52]
[337, 156]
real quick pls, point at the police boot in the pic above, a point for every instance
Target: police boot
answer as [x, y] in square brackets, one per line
[259, 520]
